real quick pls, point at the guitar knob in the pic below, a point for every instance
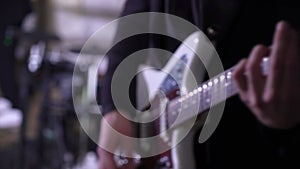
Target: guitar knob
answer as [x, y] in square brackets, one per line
[164, 163]
[213, 32]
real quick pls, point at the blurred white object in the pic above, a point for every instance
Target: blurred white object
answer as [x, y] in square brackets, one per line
[102, 68]
[74, 21]
[4, 104]
[90, 162]
[9, 117]
[29, 22]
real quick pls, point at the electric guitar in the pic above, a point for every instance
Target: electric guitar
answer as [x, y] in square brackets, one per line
[178, 101]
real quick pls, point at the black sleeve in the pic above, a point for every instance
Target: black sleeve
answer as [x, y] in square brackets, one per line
[119, 52]
[283, 143]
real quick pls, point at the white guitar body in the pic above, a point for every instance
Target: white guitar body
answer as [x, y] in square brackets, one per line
[180, 67]
[183, 74]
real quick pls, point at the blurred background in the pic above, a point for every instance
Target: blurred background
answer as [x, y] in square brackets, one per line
[40, 42]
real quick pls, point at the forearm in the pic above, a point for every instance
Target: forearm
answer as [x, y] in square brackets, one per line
[112, 124]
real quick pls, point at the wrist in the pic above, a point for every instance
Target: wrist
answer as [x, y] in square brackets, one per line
[113, 127]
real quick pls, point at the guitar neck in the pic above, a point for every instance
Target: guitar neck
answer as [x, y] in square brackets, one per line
[208, 94]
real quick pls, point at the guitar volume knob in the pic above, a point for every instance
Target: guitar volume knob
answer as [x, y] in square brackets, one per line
[164, 163]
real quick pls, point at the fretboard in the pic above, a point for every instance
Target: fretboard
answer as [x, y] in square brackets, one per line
[207, 95]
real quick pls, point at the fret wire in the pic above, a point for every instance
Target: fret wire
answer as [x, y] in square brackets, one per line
[230, 90]
[207, 92]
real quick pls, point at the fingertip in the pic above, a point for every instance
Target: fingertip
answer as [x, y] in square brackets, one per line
[242, 61]
[260, 48]
[282, 25]
[240, 66]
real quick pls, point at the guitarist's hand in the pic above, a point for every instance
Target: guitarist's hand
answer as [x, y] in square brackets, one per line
[111, 141]
[274, 99]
